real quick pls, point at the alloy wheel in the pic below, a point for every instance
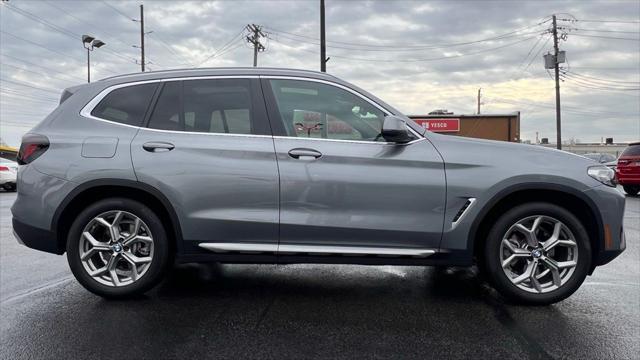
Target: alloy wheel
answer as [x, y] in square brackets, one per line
[116, 248]
[539, 254]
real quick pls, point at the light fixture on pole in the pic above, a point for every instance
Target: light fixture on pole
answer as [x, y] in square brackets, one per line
[89, 43]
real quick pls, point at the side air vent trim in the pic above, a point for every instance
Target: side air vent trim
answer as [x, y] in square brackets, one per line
[462, 212]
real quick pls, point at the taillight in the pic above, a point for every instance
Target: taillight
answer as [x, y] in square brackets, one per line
[4, 168]
[33, 145]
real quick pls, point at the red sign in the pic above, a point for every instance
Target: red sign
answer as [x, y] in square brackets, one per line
[439, 125]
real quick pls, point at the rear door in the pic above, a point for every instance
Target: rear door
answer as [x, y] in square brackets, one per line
[344, 190]
[207, 146]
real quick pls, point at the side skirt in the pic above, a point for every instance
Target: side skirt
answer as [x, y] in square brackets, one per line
[286, 249]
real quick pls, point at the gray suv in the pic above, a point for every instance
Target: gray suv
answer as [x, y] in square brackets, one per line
[133, 173]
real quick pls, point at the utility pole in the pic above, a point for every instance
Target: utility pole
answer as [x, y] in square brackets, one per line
[557, 70]
[255, 40]
[323, 44]
[142, 37]
[479, 95]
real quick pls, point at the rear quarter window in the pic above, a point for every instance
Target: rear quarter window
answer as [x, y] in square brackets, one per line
[126, 105]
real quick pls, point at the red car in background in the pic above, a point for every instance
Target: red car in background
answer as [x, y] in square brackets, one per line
[628, 169]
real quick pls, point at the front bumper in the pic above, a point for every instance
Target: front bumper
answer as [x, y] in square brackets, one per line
[610, 205]
[35, 238]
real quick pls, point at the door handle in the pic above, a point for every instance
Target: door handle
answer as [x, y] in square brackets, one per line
[302, 153]
[157, 146]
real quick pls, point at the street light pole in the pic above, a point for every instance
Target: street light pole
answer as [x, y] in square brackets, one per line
[89, 43]
[88, 66]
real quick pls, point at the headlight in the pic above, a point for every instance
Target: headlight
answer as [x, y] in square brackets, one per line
[603, 174]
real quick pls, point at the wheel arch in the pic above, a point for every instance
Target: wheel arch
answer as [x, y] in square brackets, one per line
[569, 198]
[92, 191]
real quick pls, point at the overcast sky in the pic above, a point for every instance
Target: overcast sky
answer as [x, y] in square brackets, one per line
[416, 55]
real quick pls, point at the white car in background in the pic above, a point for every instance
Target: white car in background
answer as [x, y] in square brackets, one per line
[8, 172]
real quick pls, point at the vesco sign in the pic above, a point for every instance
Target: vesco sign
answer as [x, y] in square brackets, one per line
[439, 125]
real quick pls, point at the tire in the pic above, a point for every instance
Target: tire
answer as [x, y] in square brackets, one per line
[145, 245]
[631, 190]
[549, 288]
[9, 187]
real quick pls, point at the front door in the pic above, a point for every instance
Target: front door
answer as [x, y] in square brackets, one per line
[207, 147]
[343, 189]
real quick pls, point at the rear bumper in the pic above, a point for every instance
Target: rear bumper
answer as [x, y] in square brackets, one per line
[629, 180]
[36, 238]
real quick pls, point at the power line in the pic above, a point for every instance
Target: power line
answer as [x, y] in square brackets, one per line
[568, 109]
[593, 78]
[596, 86]
[603, 21]
[60, 29]
[34, 72]
[116, 10]
[607, 31]
[22, 97]
[29, 95]
[38, 19]
[39, 45]
[417, 60]
[228, 43]
[409, 49]
[50, 90]
[156, 37]
[40, 66]
[606, 37]
[537, 53]
[413, 47]
[46, 48]
[60, 9]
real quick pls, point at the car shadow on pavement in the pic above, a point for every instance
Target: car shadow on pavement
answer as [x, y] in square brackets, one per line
[301, 311]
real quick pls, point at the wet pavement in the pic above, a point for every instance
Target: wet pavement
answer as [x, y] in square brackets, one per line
[312, 311]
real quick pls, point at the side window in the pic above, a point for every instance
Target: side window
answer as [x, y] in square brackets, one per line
[166, 114]
[214, 106]
[316, 110]
[126, 105]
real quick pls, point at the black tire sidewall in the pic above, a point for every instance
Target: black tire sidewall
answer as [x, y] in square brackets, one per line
[159, 261]
[631, 189]
[499, 279]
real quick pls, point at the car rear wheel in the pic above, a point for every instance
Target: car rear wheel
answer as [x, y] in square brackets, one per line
[9, 187]
[537, 253]
[631, 190]
[117, 248]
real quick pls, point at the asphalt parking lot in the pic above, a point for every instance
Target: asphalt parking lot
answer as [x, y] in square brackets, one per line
[311, 311]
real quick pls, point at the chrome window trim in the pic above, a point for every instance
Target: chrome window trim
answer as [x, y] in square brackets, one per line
[348, 141]
[88, 108]
[354, 92]
[316, 249]
[202, 133]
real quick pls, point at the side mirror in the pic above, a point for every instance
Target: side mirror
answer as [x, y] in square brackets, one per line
[394, 129]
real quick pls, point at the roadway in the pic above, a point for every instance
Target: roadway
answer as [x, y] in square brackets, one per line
[311, 311]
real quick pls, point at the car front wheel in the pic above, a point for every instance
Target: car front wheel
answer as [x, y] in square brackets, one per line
[117, 248]
[537, 253]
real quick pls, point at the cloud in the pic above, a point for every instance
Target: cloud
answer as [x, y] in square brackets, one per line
[374, 44]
